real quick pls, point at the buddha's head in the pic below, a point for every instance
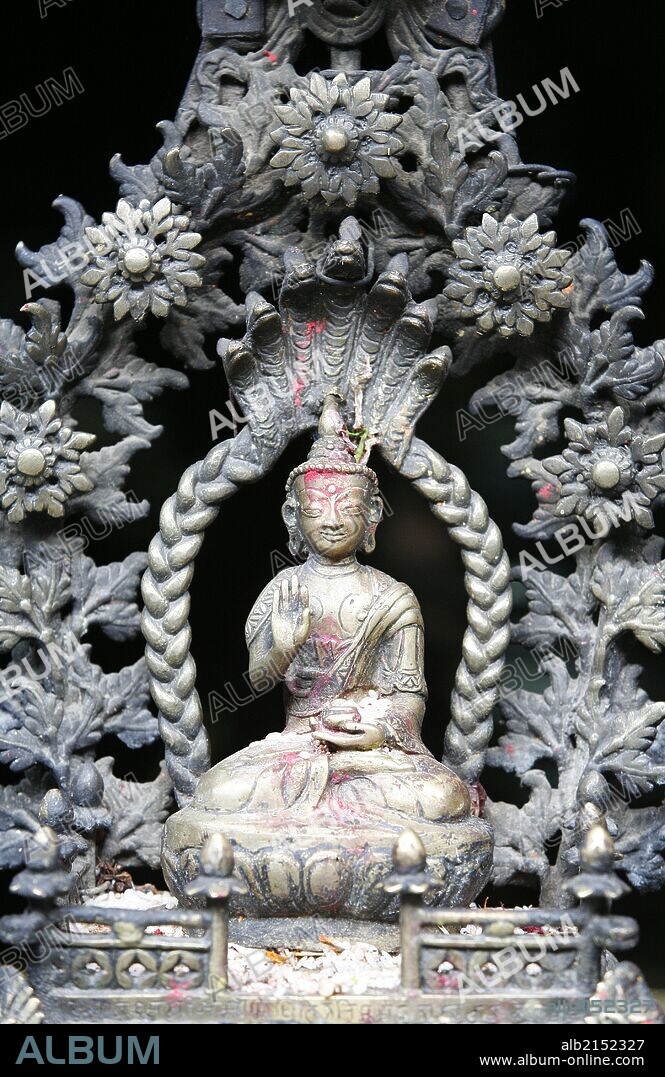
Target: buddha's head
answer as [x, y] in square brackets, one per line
[333, 507]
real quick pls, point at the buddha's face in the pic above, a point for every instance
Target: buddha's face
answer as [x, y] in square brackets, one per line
[335, 512]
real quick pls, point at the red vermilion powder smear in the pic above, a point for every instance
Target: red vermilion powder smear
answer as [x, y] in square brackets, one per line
[314, 476]
[314, 327]
[297, 389]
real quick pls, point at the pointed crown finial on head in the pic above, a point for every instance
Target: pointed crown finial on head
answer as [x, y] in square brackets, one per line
[333, 450]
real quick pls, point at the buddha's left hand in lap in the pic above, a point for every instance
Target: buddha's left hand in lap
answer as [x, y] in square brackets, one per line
[342, 726]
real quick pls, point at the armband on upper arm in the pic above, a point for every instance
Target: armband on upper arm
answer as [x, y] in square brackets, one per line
[403, 667]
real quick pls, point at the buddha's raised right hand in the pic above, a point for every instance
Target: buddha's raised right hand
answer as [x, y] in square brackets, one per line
[291, 618]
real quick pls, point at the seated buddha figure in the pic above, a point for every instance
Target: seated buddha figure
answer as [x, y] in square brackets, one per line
[313, 811]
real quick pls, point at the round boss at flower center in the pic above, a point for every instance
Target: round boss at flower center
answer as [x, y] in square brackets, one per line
[507, 278]
[611, 469]
[31, 463]
[137, 260]
[335, 139]
[338, 138]
[606, 474]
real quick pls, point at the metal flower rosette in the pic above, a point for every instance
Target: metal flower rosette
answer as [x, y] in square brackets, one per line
[402, 248]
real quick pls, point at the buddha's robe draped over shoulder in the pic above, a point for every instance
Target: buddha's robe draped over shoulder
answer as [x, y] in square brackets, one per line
[385, 653]
[376, 666]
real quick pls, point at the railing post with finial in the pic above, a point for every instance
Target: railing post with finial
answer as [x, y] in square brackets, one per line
[596, 887]
[216, 883]
[411, 881]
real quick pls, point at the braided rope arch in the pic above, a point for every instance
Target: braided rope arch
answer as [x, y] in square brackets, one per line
[165, 620]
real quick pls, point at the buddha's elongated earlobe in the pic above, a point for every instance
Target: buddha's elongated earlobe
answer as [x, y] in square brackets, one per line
[374, 518]
[290, 516]
[297, 545]
[289, 513]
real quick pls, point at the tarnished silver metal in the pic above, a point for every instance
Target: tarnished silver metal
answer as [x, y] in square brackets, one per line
[369, 346]
[215, 885]
[554, 965]
[450, 234]
[411, 881]
[350, 770]
[241, 21]
[358, 648]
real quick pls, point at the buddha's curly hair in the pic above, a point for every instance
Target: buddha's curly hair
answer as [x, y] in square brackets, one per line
[349, 468]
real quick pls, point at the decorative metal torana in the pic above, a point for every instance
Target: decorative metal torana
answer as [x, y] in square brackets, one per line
[390, 209]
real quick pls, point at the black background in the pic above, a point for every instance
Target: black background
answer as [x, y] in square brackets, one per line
[133, 58]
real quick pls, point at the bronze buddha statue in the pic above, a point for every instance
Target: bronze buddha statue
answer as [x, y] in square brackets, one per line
[313, 811]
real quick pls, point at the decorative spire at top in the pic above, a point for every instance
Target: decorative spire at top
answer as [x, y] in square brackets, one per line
[334, 450]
